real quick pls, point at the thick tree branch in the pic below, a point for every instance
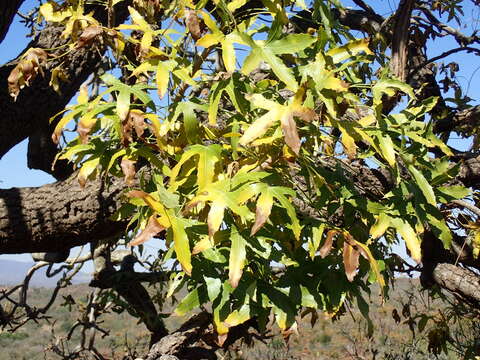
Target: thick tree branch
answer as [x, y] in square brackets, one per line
[464, 121]
[36, 104]
[460, 281]
[58, 216]
[8, 9]
[401, 35]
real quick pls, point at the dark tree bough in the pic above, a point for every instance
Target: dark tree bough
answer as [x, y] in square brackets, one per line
[267, 158]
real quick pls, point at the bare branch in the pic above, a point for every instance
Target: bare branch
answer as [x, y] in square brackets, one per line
[468, 206]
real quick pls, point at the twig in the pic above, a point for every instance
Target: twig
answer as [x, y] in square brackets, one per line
[468, 206]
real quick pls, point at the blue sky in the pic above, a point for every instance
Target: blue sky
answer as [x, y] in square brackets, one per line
[13, 166]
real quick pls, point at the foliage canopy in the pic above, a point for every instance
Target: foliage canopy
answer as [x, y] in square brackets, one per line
[280, 154]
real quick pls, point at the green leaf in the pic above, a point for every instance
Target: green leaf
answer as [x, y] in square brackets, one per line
[454, 192]
[314, 243]
[387, 149]
[291, 44]
[214, 286]
[181, 243]
[208, 156]
[390, 87]
[283, 72]
[192, 301]
[215, 95]
[279, 193]
[175, 283]
[424, 185]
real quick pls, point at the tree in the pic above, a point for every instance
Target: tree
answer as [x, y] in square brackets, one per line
[279, 150]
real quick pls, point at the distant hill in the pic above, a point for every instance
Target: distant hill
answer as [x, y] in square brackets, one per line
[13, 272]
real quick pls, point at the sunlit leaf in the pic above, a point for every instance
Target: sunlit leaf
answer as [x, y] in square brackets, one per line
[237, 258]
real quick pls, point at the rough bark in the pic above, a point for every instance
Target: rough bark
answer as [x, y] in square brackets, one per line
[38, 102]
[8, 9]
[460, 281]
[57, 216]
[401, 35]
[196, 339]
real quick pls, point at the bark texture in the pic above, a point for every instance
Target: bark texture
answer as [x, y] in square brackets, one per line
[57, 216]
[458, 280]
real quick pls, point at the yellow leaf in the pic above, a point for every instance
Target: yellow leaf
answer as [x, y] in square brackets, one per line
[163, 77]
[264, 207]
[146, 42]
[351, 49]
[83, 94]
[333, 83]
[215, 217]
[235, 4]
[149, 200]
[239, 316]
[387, 149]
[181, 243]
[139, 20]
[228, 55]
[210, 39]
[410, 238]
[349, 145]
[205, 243]
[380, 226]
[261, 125]
[237, 258]
[87, 170]
[47, 10]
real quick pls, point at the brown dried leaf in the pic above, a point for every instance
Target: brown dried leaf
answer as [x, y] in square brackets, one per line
[350, 260]
[152, 229]
[83, 129]
[137, 119]
[264, 208]
[33, 61]
[327, 245]
[289, 332]
[26, 70]
[127, 128]
[290, 132]
[221, 339]
[306, 114]
[193, 24]
[14, 82]
[88, 35]
[136, 194]
[128, 168]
